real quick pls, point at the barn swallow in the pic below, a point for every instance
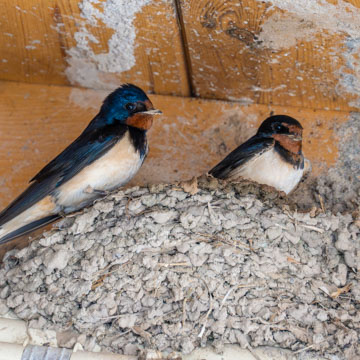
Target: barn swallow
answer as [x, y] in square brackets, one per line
[273, 156]
[107, 154]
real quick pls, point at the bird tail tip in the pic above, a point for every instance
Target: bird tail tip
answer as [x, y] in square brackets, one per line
[10, 235]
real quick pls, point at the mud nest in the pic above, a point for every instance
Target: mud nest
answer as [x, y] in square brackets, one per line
[175, 267]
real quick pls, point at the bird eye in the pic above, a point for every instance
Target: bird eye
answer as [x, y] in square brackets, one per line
[130, 106]
[279, 127]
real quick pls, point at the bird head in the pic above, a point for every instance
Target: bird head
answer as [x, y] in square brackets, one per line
[285, 130]
[128, 105]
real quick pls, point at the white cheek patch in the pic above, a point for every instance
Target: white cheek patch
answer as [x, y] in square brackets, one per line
[271, 169]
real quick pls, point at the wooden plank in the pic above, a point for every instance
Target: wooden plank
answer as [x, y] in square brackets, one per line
[67, 42]
[38, 121]
[277, 52]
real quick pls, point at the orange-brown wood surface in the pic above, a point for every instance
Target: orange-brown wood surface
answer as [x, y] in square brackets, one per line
[38, 121]
[274, 52]
[51, 42]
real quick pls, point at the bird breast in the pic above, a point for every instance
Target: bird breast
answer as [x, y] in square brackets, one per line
[112, 170]
[271, 169]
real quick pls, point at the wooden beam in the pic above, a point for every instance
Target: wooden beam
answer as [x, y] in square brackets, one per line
[263, 52]
[39, 121]
[275, 52]
[64, 42]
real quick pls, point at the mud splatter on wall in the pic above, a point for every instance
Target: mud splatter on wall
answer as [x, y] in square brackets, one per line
[283, 52]
[86, 66]
[304, 20]
[349, 74]
[93, 43]
[314, 15]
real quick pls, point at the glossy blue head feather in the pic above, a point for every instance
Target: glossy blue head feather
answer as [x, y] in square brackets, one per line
[120, 104]
[127, 105]
[279, 124]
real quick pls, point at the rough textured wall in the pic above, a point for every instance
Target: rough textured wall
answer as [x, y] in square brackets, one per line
[95, 44]
[339, 185]
[283, 52]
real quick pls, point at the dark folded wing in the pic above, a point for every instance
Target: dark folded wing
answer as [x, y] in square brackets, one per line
[238, 157]
[81, 153]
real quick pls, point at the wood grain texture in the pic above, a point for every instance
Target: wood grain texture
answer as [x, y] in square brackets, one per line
[38, 121]
[41, 41]
[273, 52]
[256, 52]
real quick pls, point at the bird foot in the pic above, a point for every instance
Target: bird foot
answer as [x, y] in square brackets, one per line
[62, 214]
[90, 190]
[101, 192]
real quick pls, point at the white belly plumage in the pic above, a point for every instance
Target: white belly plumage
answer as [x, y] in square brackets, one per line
[114, 169]
[271, 169]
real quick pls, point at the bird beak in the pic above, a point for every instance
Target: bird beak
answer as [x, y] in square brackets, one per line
[295, 137]
[152, 112]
